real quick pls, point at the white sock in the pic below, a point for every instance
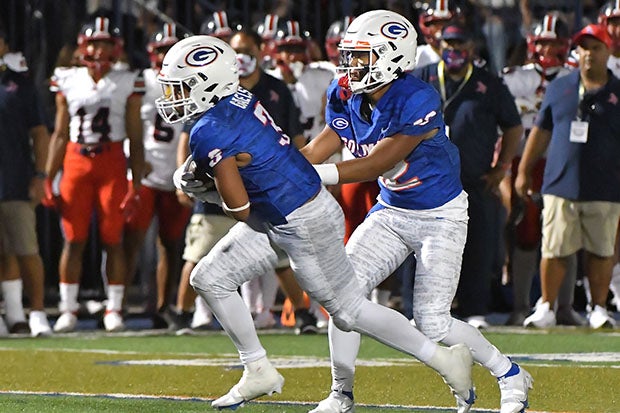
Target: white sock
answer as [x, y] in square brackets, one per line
[343, 352]
[482, 350]
[236, 320]
[13, 306]
[115, 297]
[269, 289]
[68, 297]
[201, 307]
[393, 329]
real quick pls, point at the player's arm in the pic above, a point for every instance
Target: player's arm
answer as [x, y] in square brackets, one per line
[510, 144]
[133, 126]
[40, 145]
[535, 146]
[386, 154]
[231, 188]
[182, 154]
[323, 146]
[59, 139]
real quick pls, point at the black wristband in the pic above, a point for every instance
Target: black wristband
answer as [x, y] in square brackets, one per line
[40, 174]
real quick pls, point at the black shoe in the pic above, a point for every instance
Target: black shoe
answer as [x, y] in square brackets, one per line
[516, 318]
[21, 327]
[176, 320]
[569, 317]
[305, 322]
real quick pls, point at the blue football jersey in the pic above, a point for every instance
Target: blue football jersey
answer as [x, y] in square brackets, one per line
[278, 179]
[430, 175]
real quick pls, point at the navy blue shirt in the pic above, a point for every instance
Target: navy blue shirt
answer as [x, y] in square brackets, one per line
[20, 111]
[582, 171]
[473, 115]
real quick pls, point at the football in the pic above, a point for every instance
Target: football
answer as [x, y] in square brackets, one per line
[202, 175]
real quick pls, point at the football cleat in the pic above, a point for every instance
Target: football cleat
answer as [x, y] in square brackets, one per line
[113, 321]
[259, 378]
[599, 318]
[514, 387]
[455, 364]
[39, 326]
[65, 323]
[336, 402]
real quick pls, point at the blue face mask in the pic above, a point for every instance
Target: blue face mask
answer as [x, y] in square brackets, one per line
[455, 60]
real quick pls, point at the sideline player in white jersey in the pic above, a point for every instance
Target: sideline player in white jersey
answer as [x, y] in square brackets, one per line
[267, 184]
[96, 108]
[431, 23]
[547, 45]
[157, 192]
[308, 81]
[392, 122]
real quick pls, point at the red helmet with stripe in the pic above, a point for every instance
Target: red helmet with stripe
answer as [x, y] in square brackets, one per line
[292, 41]
[433, 20]
[554, 31]
[160, 42]
[99, 30]
[217, 25]
[335, 33]
[611, 10]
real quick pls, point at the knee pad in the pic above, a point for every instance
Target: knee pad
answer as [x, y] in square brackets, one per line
[343, 322]
[207, 279]
[433, 326]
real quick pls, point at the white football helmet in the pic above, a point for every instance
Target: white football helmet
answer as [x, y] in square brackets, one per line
[391, 42]
[197, 72]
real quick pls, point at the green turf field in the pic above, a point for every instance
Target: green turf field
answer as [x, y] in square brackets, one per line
[574, 371]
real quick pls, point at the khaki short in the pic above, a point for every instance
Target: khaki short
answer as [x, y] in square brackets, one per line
[203, 232]
[569, 226]
[18, 230]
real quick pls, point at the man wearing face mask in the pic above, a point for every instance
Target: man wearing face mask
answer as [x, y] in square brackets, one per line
[476, 100]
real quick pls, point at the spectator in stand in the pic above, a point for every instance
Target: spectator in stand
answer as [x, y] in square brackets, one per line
[548, 44]
[23, 153]
[97, 107]
[578, 124]
[476, 100]
[157, 192]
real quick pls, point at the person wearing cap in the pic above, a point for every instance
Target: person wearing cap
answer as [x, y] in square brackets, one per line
[578, 124]
[23, 152]
[475, 104]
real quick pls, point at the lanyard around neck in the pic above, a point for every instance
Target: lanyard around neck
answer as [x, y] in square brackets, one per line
[442, 83]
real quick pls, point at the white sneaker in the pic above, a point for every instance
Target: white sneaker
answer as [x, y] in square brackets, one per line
[455, 365]
[477, 321]
[39, 326]
[202, 314]
[336, 402]
[514, 390]
[543, 317]
[113, 321]
[65, 323]
[264, 320]
[4, 331]
[259, 378]
[599, 317]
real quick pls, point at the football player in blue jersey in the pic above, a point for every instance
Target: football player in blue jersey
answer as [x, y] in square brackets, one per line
[392, 123]
[266, 183]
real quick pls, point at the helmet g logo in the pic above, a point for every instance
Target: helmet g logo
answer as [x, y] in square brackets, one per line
[201, 56]
[394, 30]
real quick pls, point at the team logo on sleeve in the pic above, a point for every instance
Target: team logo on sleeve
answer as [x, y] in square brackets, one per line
[201, 56]
[394, 30]
[340, 123]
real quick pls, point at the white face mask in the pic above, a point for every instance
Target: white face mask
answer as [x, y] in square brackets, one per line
[246, 64]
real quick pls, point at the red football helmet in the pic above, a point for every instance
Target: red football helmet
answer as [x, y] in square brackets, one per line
[335, 33]
[611, 10]
[433, 20]
[554, 31]
[97, 58]
[160, 42]
[217, 25]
